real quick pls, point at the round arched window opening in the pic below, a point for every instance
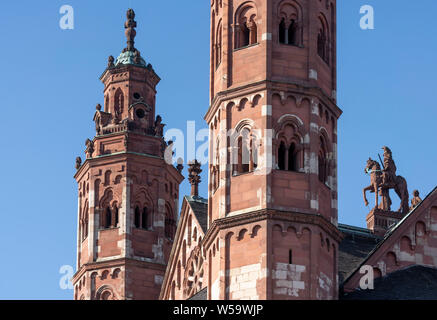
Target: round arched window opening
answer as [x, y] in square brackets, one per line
[137, 96]
[140, 113]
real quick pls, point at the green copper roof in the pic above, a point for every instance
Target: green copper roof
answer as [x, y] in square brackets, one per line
[128, 57]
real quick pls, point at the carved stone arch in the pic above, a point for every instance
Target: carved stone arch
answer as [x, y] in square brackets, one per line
[116, 273]
[255, 231]
[324, 133]
[245, 25]
[194, 273]
[245, 12]
[420, 229]
[290, 120]
[218, 46]
[278, 227]
[119, 101]
[255, 99]
[245, 124]
[117, 179]
[104, 275]
[108, 198]
[106, 292]
[241, 234]
[108, 174]
[243, 103]
[391, 259]
[292, 229]
[280, 97]
[323, 38]
[290, 9]
[290, 13]
[406, 243]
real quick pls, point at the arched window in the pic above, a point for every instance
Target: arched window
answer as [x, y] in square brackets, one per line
[323, 40]
[145, 219]
[107, 177]
[170, 224]
[115, 212]
[246, 30]
[137, 217]
[118, 103]
[253, 31]
[292, 158]
[288, 32]
[246, 157]
[288, 157]
[281, 156]
[218, 46]
[282, 32]
[245, 36]
[108, 218]
[323, 165]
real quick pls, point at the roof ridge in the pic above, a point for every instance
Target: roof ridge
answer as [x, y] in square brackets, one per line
[388, 235]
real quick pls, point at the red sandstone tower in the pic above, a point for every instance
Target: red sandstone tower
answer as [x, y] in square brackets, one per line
[272, 207]
[128, 194]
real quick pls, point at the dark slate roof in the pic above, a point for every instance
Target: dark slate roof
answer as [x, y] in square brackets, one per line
[354, 249]
[387, 234]
[412, 283]
[201, 295]
[200, 209]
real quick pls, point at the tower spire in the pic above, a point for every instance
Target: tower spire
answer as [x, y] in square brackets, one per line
[130, 32]
[194, 172]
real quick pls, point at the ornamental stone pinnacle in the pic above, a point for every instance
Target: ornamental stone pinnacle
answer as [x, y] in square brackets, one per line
[130, 32]
[194, 172]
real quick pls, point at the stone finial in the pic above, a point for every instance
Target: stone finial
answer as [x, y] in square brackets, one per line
[78, 163]
[111, 61]
[89, 148]
[159, 126]
[416, 199]
[130, 32]
[98, 107]
[194, 170]
[180, 165]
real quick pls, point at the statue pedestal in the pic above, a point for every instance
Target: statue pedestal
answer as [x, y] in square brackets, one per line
[379, 221]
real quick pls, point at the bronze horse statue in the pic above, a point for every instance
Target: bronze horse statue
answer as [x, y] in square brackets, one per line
[373, 168]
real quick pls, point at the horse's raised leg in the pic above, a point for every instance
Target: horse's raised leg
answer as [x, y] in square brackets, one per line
[364, 194]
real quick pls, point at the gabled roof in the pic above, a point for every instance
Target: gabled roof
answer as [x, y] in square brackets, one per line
[412, 283]
[391, 232]
[354, 249]
[199, 206]
[201, 295]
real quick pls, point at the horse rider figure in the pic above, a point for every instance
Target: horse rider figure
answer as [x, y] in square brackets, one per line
[389, 172]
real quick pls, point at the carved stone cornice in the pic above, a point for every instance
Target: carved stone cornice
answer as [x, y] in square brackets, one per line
[271, 214]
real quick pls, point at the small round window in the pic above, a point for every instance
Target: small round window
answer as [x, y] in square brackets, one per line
[140, 113]
[137, 96]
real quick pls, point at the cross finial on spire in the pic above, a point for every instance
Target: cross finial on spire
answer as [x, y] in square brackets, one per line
[130, 32]
[194, 172]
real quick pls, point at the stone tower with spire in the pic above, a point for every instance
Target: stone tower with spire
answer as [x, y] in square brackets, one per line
[128, 194]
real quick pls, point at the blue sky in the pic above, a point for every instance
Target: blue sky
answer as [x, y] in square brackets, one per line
[50, 86]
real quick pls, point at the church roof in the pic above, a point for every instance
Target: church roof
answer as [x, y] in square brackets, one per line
[199, 206]
[128, 57]
[386, 237]
[201, 295]
[354, 249]
[412, 283]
